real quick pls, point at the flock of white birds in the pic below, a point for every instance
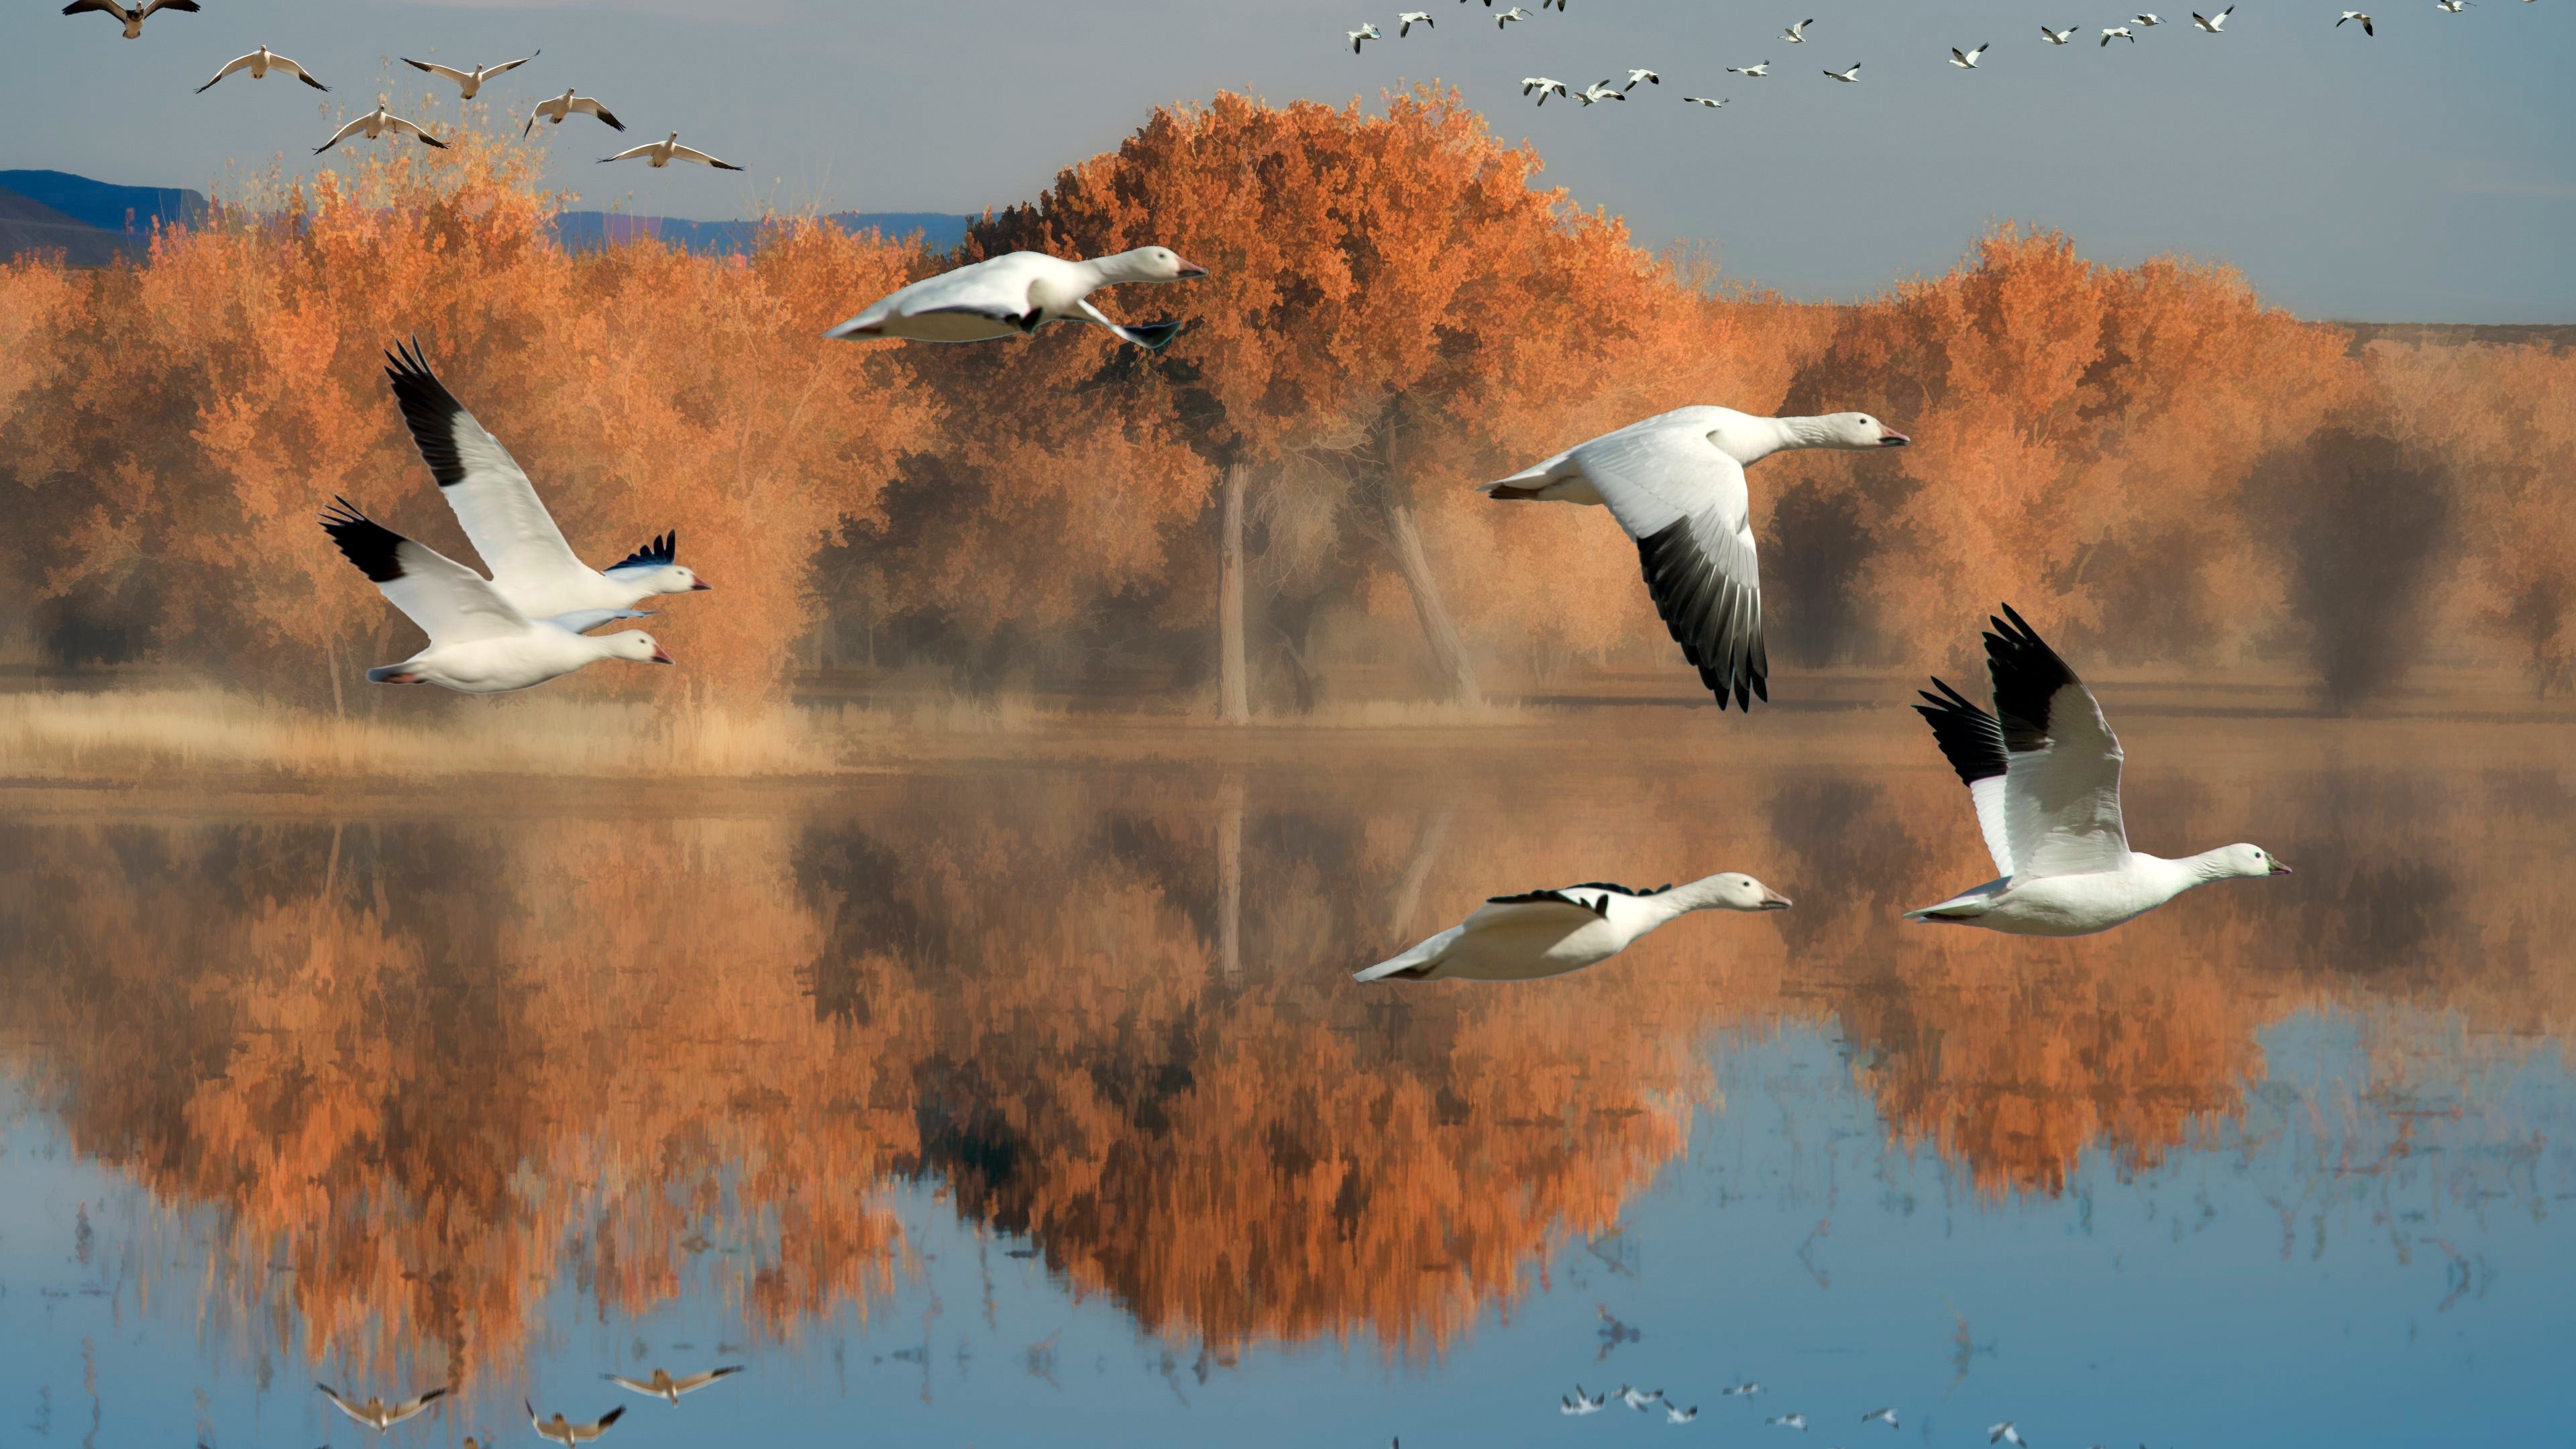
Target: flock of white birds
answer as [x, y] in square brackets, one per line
[1602, 90]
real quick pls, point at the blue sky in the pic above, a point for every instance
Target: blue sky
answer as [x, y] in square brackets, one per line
[2425, 174]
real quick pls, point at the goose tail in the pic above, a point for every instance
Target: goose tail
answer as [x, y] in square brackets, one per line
[390, 674]
[1416, 963]
[1149, 335]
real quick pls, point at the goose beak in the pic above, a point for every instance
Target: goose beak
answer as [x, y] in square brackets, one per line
[1193, 269]
[699, 586]
[1891, 438]
[660, 656]
[2279, 869]
[1774, 901]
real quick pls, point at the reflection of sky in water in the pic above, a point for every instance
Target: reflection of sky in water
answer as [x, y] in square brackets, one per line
[2345, 1265]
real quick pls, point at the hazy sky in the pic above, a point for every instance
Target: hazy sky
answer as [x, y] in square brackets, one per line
[2427, 174]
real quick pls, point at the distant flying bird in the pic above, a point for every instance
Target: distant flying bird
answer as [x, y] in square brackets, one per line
[478, 644]
[1874, 1416]
[564, 1431]
[1747, 1387]
[533, 569]
[1582, 1403]
[2043, 772]
[376, 123]
[133, 19]
[1542, 85]
[1639, 74]
[1508, 16]
[2059, 37]
[2212, 23]
[2357, 15]
[1966, 60]
[658, 154]
[1755, 71]
[1550, 932]
[663, 1386]
[1702, 101]
[2149, 20]
[1542, 4]
[2452, 7]
[2117, 32]
[1405, 22]
[564, 105]
[1789, 1421]
[469, 81]
[1600, 90]
[259, 63]
[2005, 1432]
[1797, 34]
[1675, 484]
[378, 1415]
[1016, 294]
[1366, 32]
[1674, 1415]
[1846, 76]
[1638, 1399]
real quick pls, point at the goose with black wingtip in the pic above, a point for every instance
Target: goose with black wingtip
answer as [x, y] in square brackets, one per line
[1550, 932]
[1017, 293]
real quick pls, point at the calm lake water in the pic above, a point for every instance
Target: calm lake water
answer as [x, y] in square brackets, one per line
[1033, 1105]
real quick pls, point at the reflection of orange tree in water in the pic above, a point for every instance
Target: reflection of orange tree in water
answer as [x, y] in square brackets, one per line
[433, 1109]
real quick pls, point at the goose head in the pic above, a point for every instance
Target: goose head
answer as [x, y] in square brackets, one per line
[1149, 264]
[1855, 431]
[2248, 860]
[1735, 891]
[678, 579]
[633, 644]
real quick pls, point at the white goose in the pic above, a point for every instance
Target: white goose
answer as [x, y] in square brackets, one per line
[1847, 77]
[378, 1415]
[1797, 34]
[564, 1431]
[1966, 59]
[1366, 32]
[662, 1386]
[2214, 24]
[2357, 15]
[533, 569]
[1541, 84]
[1598, 91]
[1548, 933]
[376, 123]
[2044, 774]
[1508, 16]
[131, 19]
[469, 81]
[658, 154]
[478, 644]
[1712, 104]
[2118, 32]
[1639, 73]
[2058, 37]
[564, 105]
[1755, 71]
[1676, 484]
[2148, 18]
[1406, 20]
[1016, 294]
[259, 63]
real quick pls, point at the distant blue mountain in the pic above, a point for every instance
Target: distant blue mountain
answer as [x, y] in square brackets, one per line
[582, 231]
[109, 208]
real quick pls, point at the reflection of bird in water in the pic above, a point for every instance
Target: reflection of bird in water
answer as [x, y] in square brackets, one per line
[1550, 932]
[663, 1386]
[1614, 1332]
[2044, 774]
[1638, 1399]
[1877, 1415]
[378, 1415]
[564, 1431]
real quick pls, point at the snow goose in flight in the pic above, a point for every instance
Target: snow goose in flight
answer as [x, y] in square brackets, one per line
[1789, 1421]
[2452, 7]
[1638, 1399]
[259, 63]
[2357, 15]
[1365, 33]
[533, 569]
[478, 644]
[662, 1386]
[564, 1431]
[1675, 483]
[1674, 1415]
[2118, 32]
[132, 19]
[2214, 24]
[1639, 73]
[658, 154]
[2148, 19]
[1756, 72]
[1797, 34]
[1016, 294]
[377, 123]
[2058, 37]
[378, 1415]
[2044, 774]
[1600, 90]
[564, 105]
[1583, 1403]
[1508, 16]
[1542, 85]
[1551, 932]
[1712, 104]
[1747, 1388]
[469, 81]
[1847, 77]
[2006, 1433]
[1405, 22]
[1876, 1416]
[1966, 59]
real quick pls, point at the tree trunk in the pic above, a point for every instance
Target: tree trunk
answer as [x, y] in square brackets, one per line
[337, 713]
[1449, 660]
[1229, 878]
[1233, 686]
